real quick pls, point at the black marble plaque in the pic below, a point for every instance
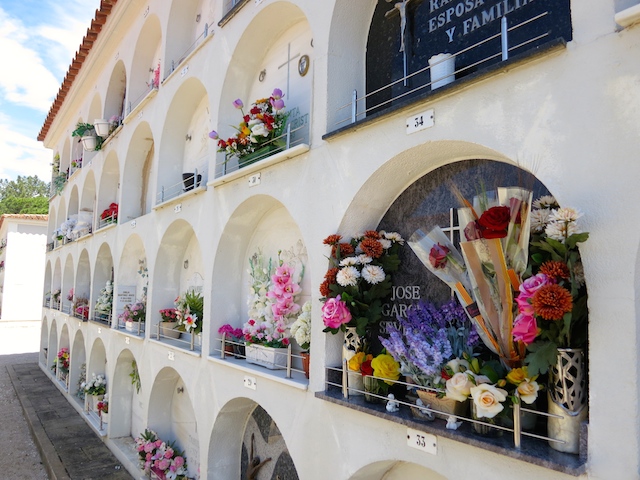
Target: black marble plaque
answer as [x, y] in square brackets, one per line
[468, 29]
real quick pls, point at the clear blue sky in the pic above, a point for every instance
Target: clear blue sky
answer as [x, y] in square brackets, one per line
[38, 40]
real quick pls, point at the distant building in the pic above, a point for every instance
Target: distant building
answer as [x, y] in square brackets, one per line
[22, 256]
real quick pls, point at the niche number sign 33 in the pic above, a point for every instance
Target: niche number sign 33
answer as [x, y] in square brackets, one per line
[420, 121]
[422, 441]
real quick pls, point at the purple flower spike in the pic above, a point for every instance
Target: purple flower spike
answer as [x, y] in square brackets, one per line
[277, 94]
[277, 104]
[238, 103]
[213, 135]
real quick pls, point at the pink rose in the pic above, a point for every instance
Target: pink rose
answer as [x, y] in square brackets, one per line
[525, 329]
[335, 313]
[178, 461]
[527, 290]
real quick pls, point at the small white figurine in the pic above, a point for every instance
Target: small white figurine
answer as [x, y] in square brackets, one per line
[392, 404]
[452, 424]
[428, 414]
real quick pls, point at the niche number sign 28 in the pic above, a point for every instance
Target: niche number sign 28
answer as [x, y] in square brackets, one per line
[422, 441]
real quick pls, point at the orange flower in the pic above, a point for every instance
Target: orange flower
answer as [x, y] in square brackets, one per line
[551, 302]
[372, 234]
[330, 276]
[332, 239]
[371, 247]
[345, 250]
[324, 289]
[555, 269]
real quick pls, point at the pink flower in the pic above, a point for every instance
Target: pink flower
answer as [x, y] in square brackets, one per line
[277, 94]
[213, 135]
[525, 329]
[335, 313]
[238, 103]
[527, 289]
[277, 104]
[168, 453]
[178, 461]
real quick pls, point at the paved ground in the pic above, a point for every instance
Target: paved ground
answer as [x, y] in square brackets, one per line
[70, 449]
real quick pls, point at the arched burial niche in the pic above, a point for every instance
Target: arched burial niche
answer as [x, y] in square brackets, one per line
[78, 371]
[178, 269]
[56, 285]
[263, 224]
[145, 61]
[68, 288]
[282, 59]
[139, 169]
[172, 417]
[53, 345]
[102, 281]
[186, 27]
[395, 470]
[95, 112]
[109, 190]
[97, 364]
[114, 101]
[125, 404]
[84, 225]
[185, 142]
[61, 375]
[48, 279]
[230, 447]
[132, 278]
[44, 342]
[83, 285]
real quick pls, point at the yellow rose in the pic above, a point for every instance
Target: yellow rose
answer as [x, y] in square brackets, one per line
[488, 400]
[528, 391]
[357, 360]
[517, 375]
[459, 387]
[384, 366]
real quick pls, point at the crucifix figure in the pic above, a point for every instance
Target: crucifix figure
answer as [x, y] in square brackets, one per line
[401, 7]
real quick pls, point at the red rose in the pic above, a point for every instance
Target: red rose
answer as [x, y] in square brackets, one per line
[366, 369]
[438, 256]
[495, 222]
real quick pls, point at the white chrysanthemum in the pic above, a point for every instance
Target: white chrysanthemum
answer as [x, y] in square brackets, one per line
[373, 274]
[348, 262]
[546, 201]
[561, 230]
[348, 276]
[386, 244]
[567, 214]
[539, 219]
[364, 259]
[394, 237]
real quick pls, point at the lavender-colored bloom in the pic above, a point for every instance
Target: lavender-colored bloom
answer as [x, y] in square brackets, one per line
[213, 135]
[277, 94]
[277, 104]
[238, 103]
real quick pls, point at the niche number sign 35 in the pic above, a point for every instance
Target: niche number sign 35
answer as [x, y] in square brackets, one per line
[422, 441]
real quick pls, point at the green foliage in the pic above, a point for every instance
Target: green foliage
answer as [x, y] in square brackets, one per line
[135, 376]
[541, 355]
[83, 129]
[26, 195]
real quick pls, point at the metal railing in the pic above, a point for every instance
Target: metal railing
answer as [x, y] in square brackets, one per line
[190, 341]
[174, 63]
[110, 220]
[136, 329]
[356, 111]
[134, 103]
[102, 318]
[190, 181]
[290, 138]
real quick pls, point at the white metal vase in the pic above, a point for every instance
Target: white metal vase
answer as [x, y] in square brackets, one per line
[352, 344]
[567, 396]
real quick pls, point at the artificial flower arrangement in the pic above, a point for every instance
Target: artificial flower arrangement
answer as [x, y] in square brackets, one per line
[383, 367]
[105, 300]
[190, 311]
[260, 129]
[358, 280]
[136, 312]
[234, 339]
[110, 214]
[96, 386]
[272, 301]
[70, 294]
[81, 307]
[169, 315]
[160, 457]
[301, 328]
[62, 360]
[103, 405]
[55, 295]
[154, 84]
[87, 130]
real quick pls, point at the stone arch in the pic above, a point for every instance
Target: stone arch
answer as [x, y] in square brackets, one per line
[83, 276]
[52, 348]
[56, 284]
[78, 364]
[129, 266]
[48, 279]
[63, 343]
[102, 273]
[95, 109]
[125, 413]
[395, 470]
[65, 157]
[74, 202]
[230, 443]
[139, 170]
[86, 213]
[181, 29]
[77, 151]
[52, 224]
[44, 342]
[97, 360]
[68, 283]
[172, 417]
[61, 217]
[189, 102]
[116, 92]
[145, 61]
[109, 188]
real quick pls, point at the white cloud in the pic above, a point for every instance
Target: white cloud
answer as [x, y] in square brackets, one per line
[21, 154]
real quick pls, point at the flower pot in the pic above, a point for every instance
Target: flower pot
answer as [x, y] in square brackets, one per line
[228, 351]
[129, 326]
[567, 396]
[485, 430]
[259, 154]
[269, 357]
[104, 416]
[92, 401]
[371, 385]
[102, 127]
[167, 330]
[306, 356]
[239, 351]
[442, 68]
[89, 142]
[447, 406]
[352, 344]
[187, 180]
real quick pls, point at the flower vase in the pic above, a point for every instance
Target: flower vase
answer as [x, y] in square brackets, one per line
[167, 330]
[239, 350]
[352, 344]
[306, 356]
[481, 428]
[92, 401]
[567, 396]
[447, 406]
[268, 357]
[228, 350]
[187, 180]
[258, 155]
[104, 417]
[371, 386]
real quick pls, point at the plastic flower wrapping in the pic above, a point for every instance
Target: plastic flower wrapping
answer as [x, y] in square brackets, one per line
[160, 457]
[272, 304]
[262, 126]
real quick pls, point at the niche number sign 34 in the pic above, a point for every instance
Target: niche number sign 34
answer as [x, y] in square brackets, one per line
[422, 441]
[420, 121]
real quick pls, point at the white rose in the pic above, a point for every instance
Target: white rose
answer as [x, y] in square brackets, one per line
[528, 391]
[459, 387]
[458, 365]
[488, 400]
[260, 129]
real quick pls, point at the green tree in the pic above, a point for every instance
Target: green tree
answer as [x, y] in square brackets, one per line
[27, 195]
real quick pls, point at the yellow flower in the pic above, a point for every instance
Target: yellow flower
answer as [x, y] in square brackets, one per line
[517, 375]
[357, 360]
[384, 366]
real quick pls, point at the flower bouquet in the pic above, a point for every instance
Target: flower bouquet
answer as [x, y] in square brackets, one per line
[259, 133]
[301, 331]
[378, 374]
[168, 322]
[190, 311]
[234, 340]
[160, 458]
[96, 386]
[62, 361]
[133, 313]
[110, 214]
